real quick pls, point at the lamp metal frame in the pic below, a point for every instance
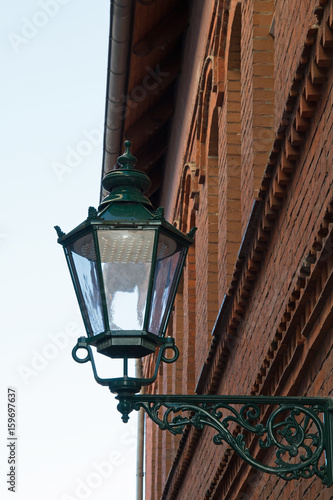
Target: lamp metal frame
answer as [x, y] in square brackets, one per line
[299, 430]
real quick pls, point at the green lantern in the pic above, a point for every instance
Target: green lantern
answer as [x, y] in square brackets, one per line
[125, 261]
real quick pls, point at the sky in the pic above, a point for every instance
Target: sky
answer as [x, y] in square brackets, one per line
[71, 443]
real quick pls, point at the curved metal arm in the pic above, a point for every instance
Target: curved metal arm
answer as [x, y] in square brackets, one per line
[82, 344]
[127, 384]
[159, 359]
[299, 430]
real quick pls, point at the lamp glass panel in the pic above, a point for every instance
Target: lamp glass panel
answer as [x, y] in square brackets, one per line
[126, 257]
[169, 253]
[83, 256]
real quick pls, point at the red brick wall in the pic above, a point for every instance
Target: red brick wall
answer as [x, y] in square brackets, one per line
[257, 66]
[187, 376]
[206, 264]
[292, 20]
[247, 157]
[222, 204]
[277, 337]
[230, 161]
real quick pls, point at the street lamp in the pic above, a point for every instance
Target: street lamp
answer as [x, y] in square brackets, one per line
[126, 261]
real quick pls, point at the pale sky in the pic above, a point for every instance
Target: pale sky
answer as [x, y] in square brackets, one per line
[71, 441]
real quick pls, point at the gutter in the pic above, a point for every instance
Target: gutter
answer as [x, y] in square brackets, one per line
[140, 439]
[117, 75]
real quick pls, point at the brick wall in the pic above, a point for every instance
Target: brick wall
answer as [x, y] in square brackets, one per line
[292, 20]
[274, 137]
[230, 161]
[206, 264]
[257, 67]
[222, 205]
[247, 157]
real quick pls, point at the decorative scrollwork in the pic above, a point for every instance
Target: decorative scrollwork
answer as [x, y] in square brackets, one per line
[159, 214]
[92, 213]
[298, 430]
[60, 233]
[294, 431]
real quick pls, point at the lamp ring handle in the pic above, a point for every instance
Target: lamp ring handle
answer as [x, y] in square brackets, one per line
[174, 358]
[76, 357]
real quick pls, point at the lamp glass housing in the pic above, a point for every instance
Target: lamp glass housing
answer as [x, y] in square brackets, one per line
[169, 263]
[126, 280]
[126, 259]
[126, 262]
[83, 265]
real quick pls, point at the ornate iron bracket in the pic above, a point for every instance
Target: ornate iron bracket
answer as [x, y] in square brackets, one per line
[298, 429]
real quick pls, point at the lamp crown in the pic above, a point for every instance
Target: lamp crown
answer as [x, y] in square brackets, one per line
[127, 160]
[126, 183]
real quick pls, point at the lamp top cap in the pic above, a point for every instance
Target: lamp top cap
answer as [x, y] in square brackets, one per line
[127, 160]
[126, 183]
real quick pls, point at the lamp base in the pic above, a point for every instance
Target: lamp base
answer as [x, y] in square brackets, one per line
[134, 347]
[125, 343]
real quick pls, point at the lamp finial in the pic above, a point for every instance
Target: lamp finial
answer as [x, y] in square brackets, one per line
[127, 160]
